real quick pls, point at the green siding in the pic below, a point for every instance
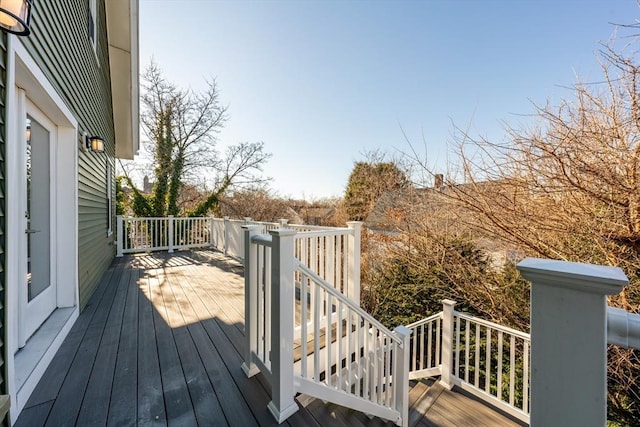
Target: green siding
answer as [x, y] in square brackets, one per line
[3, 130]
[60, 44]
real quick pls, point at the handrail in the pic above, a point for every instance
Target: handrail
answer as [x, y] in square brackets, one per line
[425, 320]
[262, 239]
[351, 358]
[340, 297]
[493, 325]
[344, 355]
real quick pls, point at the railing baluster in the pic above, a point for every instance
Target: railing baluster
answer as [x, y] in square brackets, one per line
[499, 368]
[388, 365]
[477, 346]
[429, 343]
[329, 341]
[367, 369]
[340, 347]
[456, 353]
[304, 297]
[421, 343]
[438, 340]
[467, 345]
[358, 361]
[525, 377]
[512, 370]
[487, 375]
[316, 333]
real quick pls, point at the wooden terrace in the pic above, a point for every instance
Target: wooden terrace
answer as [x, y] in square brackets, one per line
[161, 343]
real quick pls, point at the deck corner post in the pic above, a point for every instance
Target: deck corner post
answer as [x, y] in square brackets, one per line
[227, 224]
[354, 260]
[283, 391]
[170, 242]
[569, 340]
[212, 230]
[250, 300]
[401, 375]
[447, 378]
[119, 236]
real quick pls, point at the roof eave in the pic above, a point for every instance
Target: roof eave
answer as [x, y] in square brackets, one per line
[122, 34]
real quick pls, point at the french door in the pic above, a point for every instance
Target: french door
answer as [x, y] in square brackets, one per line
[38, 298]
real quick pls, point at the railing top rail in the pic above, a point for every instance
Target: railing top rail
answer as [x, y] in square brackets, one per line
[144, 218]
[425, 320]
[353, 306]
[493, 325]
[315, 227]
[319, 233]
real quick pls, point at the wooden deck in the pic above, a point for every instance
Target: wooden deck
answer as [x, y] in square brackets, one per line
[160, 343]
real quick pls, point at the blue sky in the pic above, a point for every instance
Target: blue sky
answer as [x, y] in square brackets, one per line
[321, 82]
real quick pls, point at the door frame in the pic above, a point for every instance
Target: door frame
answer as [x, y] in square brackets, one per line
[23, 73]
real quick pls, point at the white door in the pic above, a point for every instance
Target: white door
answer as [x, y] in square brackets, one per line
[39, 300]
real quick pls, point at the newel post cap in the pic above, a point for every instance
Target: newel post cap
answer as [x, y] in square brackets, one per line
[597, 279]
[283, 232]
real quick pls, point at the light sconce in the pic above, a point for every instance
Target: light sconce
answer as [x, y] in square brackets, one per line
[94, 143]
[28, 133]
[15, 16]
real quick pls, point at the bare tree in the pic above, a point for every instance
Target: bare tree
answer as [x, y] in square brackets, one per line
[568, 187]
[182, 128]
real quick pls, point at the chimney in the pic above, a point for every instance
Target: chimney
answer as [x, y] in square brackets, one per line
[439, 181]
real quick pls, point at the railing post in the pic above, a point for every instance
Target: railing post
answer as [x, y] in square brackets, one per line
[120, 237]
[250, 300]
[354, 260]
[225, 248]
[569, 340]
[447, 379]
[212, 242]
[401, 375]
[170, 219]
[282, 403]
[283, 222]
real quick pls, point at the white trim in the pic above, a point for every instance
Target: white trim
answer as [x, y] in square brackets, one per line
[109, 198]
[93, 12]
[24, 73]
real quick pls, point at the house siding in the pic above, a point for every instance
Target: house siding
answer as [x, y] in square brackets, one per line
[3, 130]
[60, 45]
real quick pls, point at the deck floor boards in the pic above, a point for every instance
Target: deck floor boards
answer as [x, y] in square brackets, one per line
[161, 343]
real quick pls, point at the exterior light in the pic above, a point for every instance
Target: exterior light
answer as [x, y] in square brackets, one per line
[15, 16]
[28, 131]
[94, 143]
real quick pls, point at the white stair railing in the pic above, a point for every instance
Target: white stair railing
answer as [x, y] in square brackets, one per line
[344, 355]
[486, 359]
[352, 359]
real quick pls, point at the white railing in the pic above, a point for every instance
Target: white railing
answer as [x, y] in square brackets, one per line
[348, 357]
[492, 362]
[484, 358]
[425, 347]
[167, 233]
[342, 354]
[333, 253]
